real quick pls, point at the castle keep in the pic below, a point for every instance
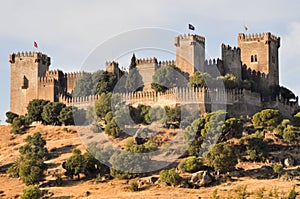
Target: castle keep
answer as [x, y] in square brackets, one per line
[255, 59]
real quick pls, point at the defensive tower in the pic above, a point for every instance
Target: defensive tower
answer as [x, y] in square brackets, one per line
[190, 52]
[260, 53]
[25, 70]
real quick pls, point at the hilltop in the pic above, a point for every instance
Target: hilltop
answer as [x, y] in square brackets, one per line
[61, 141]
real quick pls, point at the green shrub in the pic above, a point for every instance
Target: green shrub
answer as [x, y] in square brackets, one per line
[20, 124]
[293, 193]
[169, 176]
[190, 164]
[134, 186]
[256, 148]
[291, 134]
[268, 118]
[58, 180]
[10, 116]
[221, 158]
[242, 192]
[31, 192]
[260, 193]
[278, 168]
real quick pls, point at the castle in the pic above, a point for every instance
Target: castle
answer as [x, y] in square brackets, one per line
[255, 58]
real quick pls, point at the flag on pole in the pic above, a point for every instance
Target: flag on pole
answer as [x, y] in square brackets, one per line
[35, 44]
[245, 28]
[191, 27]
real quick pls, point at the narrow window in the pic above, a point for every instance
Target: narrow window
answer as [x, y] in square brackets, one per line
[25, 83]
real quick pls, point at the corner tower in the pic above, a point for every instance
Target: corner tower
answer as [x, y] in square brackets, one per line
[190, 53]
[260, 53]
[25, 70]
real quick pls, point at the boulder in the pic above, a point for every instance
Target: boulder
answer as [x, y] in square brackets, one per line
[206, 179]
[289, 162]
[201, 178]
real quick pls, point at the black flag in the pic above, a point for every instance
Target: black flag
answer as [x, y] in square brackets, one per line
[191, 27]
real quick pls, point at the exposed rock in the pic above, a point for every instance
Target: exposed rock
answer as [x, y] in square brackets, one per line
[289, 162]
[183, 184]
[152, 179]
[206, 179]
[201, 178]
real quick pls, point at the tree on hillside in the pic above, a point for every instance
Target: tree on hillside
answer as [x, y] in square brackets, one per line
[30, 166]
[132, 62]
[168, 77]
[51, 112]
[31, 171]
[85, 164]
[66, 116]
[10, 116]
[257, 149]
[35, 109]
[103, 105]
[74, 164]
[20, 124]
[35, 147]
[268, 118]
[106, 83]
[221, 158]
[199, 80]
[134, 81]
[296, 119]
[31, 192]
[212, 128]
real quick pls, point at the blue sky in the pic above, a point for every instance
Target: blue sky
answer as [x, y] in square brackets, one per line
[69, 30]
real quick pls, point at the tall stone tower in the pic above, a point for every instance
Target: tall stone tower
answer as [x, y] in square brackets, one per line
[260, 53]
[25, 70]
[190, 53]
[231, 58]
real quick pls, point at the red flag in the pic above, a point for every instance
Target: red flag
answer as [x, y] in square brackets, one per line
[35, 44]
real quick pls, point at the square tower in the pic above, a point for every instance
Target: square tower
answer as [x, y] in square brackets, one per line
[25, 70]
[259, 52]
[190, 53]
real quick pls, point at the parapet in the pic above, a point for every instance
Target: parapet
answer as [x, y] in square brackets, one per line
[111, 63]
[74, 74]
[167, 63]
[189, 37]
[258, 36]
[151, 60]
[54, 73]
[211, 62]
[229, 48]
[36, 56]
[46, 80]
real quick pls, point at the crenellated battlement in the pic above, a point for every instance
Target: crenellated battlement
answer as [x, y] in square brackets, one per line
[75, 74]
[81, 102]
[151, 60]
[111, 63]
[37, 57]
[211, 62]
[189, 37]
[167, 63]
[46, 80]
[258, 36]
[236, 50]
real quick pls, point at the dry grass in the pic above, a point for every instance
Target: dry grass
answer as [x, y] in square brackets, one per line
[61, 142]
